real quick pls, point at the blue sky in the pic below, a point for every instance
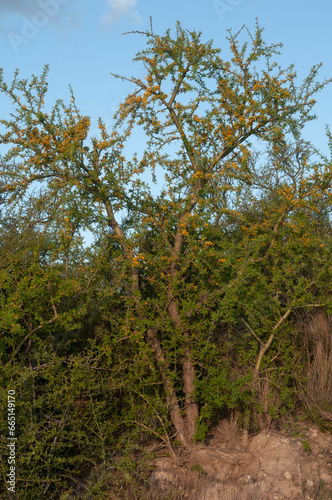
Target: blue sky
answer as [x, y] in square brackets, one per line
[83, 42]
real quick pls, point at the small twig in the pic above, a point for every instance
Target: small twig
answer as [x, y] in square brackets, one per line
[252, 332]
[302, 492]
[137, 33]
[55, 440]
[167, 440]
[28, 335]
[43, 366]
[266, 346]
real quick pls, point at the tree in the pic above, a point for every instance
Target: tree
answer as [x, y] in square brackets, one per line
[179, 259]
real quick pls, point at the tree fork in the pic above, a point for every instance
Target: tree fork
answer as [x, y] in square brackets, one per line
[172, 401]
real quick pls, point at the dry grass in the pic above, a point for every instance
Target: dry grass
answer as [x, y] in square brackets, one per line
[228, 432]
[316, 391]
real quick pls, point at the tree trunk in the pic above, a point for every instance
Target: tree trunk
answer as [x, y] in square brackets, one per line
[188, 377]
[191, 406]
[172, 400]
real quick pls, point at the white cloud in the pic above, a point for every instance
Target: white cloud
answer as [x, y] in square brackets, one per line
[117, 9]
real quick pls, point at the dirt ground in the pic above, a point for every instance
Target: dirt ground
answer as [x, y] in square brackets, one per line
[276, 465]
